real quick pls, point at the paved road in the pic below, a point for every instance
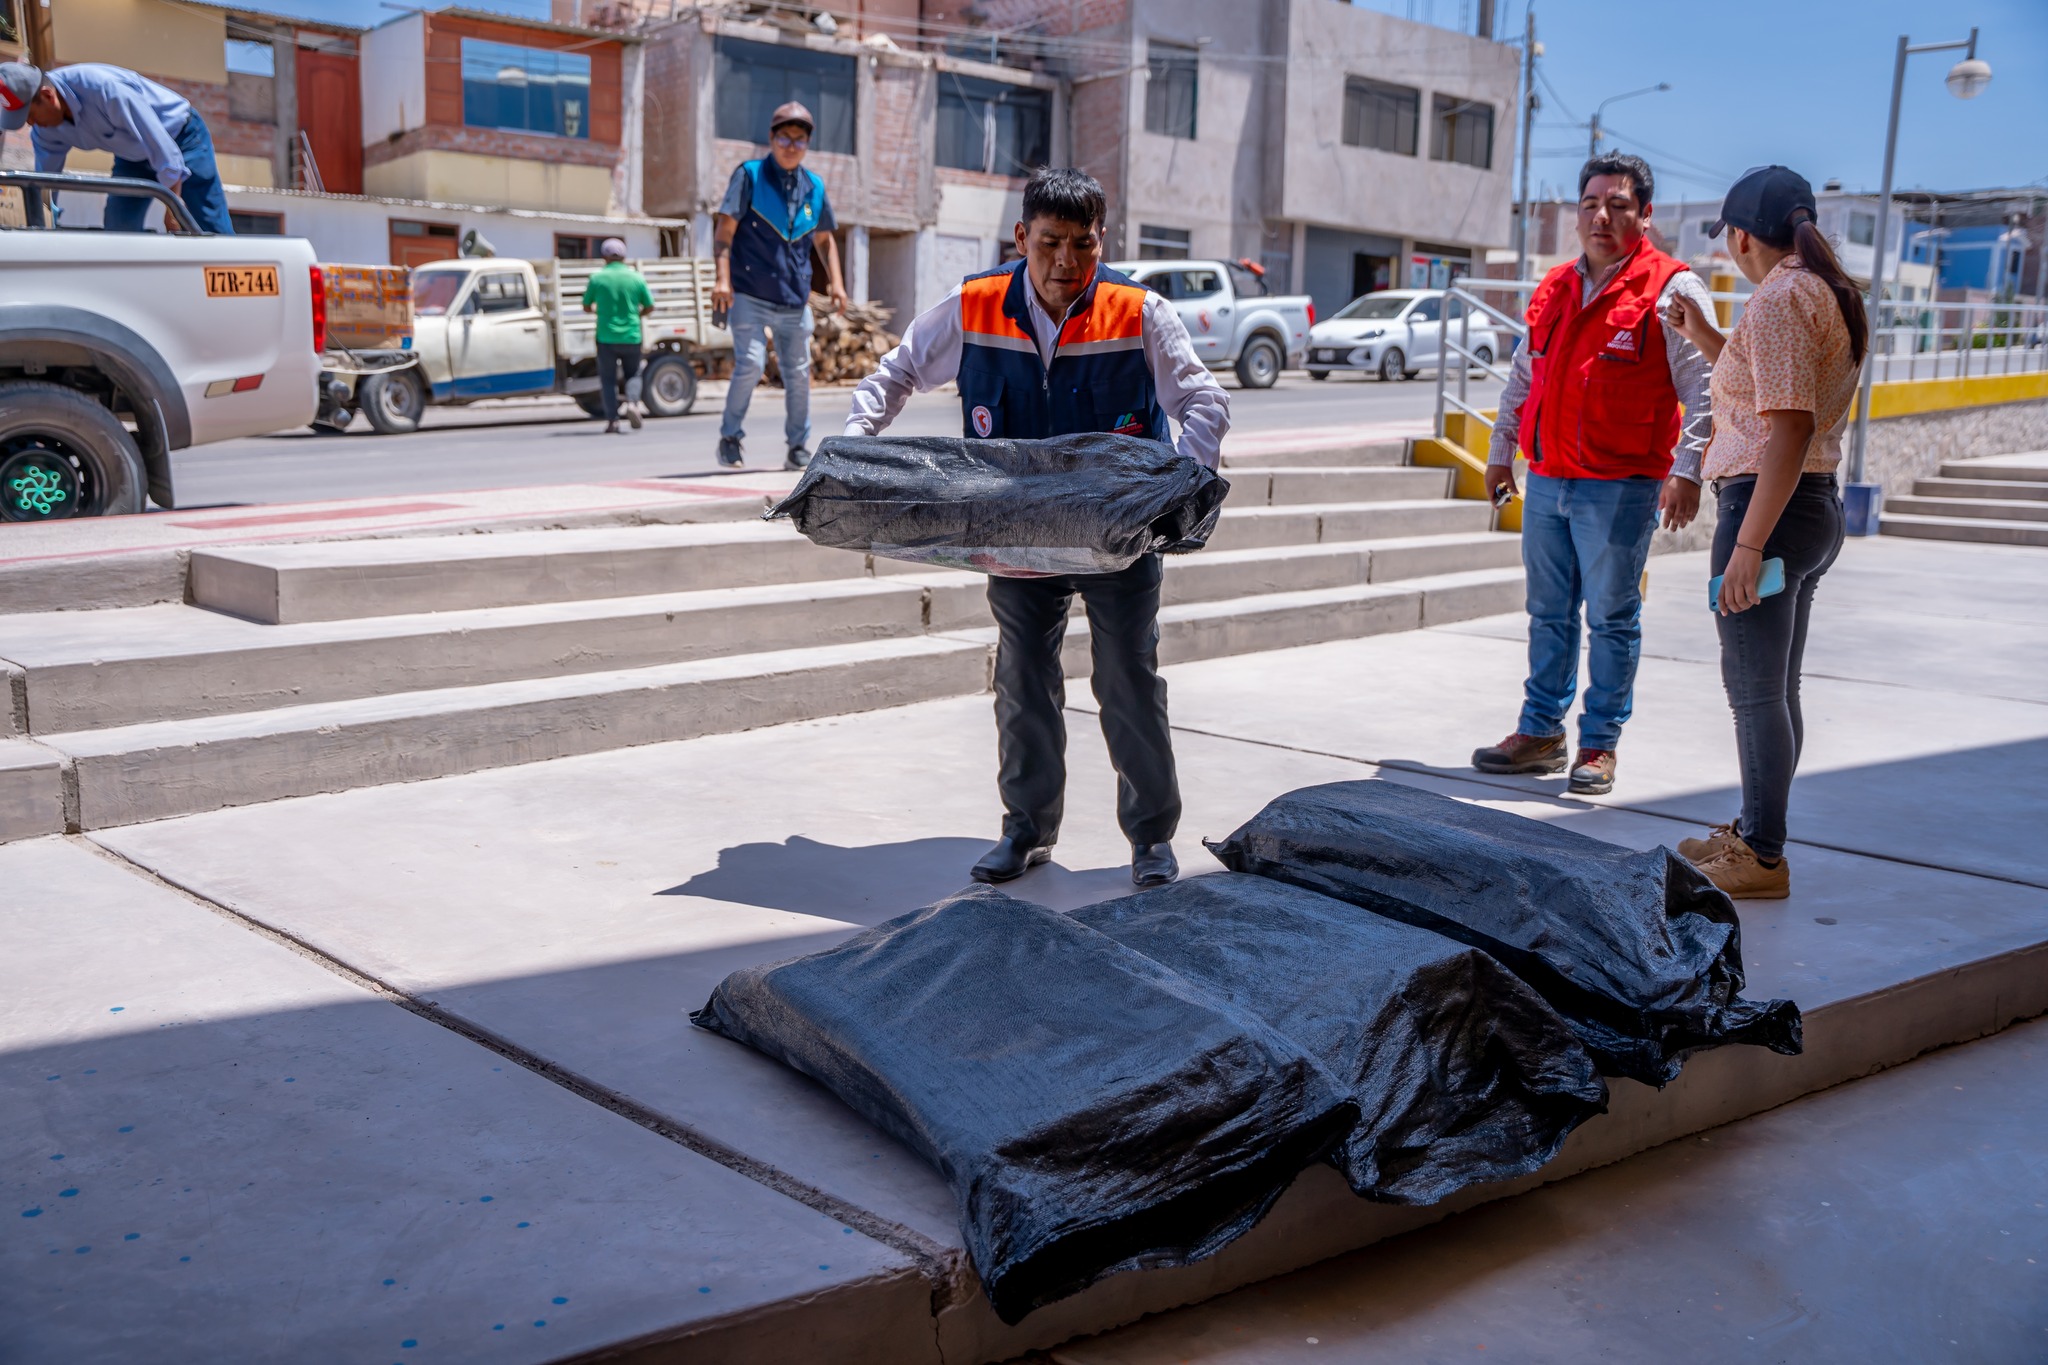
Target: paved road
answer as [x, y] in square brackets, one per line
[527, 442]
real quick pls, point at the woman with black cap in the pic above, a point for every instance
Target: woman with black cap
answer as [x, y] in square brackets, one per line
[1783, 382]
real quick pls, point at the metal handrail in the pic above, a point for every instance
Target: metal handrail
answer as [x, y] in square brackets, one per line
[32, 185]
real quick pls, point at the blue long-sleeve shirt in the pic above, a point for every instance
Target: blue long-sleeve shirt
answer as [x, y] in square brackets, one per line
[114, 110]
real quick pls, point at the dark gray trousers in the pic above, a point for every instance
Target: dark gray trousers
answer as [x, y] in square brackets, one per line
[1031, 732]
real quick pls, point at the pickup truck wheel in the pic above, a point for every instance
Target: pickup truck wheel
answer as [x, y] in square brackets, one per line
[1259, 366]
[62, 455]
[591, 403]
[669, 386]
[1392, 366]
[393, 402]
[1318, 374]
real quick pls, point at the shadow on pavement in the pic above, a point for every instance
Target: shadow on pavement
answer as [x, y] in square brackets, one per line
[869, 884]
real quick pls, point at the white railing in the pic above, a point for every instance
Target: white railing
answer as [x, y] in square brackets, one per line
[1911, 340]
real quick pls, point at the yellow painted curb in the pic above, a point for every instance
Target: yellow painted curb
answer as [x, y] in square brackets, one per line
[1905, 397]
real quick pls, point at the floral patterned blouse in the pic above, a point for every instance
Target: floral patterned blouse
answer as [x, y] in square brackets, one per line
[1789, 352]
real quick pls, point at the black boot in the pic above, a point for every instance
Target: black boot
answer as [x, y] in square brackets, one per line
[1153, 864]
[1009, 860]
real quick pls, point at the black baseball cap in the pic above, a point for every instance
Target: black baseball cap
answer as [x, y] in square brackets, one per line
[1764, 202]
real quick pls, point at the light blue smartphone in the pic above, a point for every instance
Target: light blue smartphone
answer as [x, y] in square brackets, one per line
[1769, 583]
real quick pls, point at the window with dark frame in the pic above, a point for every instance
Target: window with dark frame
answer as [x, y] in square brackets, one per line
[1380, 116]
[525, 89]
[1461, 131]
[1171, 78]
[575, 247]
[251, 223]
[754, 79]
[1162, 243]
[992, 126]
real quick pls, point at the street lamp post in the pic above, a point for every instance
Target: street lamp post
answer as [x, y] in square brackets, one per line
[1593, 143]
[1863, 503]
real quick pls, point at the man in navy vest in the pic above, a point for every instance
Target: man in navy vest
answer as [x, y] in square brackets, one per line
[1049, 346]
[774, 211]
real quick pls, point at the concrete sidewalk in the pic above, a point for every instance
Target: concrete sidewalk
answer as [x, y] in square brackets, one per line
[1899, 1218]
[559, 920]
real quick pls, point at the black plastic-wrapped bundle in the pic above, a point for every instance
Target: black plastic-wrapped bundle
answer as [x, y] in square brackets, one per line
[1082, 504]
[1462, 1074]
[1636, 948]
[1091, 1110]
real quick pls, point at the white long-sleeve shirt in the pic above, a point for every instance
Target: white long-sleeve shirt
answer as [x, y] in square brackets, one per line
[929, 355]
[1691, 374]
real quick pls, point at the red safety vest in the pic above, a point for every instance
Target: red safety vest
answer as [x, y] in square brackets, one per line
[1601, 404]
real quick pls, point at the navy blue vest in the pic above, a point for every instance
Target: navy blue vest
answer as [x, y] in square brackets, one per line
[771, 247]
[1098, 379]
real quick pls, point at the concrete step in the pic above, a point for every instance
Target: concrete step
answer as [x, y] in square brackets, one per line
[341, 580]
[1244, 528]
[1319, 457]
[96, 670]
[161, 769]
[31, 791]
[1291, 486]
[2015, 490]
[2014, 472]
[1193, 631]
[1995, 509]
[1982, 529]
[959, 601]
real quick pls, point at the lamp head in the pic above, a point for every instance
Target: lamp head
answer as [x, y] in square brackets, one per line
[1967, 78]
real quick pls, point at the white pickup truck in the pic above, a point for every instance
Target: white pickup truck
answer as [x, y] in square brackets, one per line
[1234, 322]
[118, 348]
[486, 327]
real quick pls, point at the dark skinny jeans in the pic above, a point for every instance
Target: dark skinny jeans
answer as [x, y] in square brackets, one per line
[1761, 648]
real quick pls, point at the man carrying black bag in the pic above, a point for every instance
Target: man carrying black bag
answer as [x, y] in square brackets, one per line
[1055, 345]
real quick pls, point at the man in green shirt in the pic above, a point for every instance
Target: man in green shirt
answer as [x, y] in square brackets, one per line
[618, 294]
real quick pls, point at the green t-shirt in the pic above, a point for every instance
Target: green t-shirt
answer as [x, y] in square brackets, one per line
[619, 293]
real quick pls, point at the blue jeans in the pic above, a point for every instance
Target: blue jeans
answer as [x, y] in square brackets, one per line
[201, 190]
[752, 323]
[1761, 648]
[1584, 542]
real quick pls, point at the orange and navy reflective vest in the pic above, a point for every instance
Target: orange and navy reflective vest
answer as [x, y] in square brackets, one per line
[1098, 379]
[1601, 402]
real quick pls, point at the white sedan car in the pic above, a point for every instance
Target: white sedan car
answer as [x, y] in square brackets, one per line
[1396, 334]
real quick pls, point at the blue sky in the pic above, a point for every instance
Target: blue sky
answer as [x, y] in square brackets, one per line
[1801, 82]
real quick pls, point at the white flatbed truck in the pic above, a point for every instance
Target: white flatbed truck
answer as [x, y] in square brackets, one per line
[488, 327]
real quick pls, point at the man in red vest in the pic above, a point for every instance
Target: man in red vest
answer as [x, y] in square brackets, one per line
[1595, 401]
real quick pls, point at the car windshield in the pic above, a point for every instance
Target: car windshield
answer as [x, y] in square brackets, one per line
[434, 290]
[1374, 306]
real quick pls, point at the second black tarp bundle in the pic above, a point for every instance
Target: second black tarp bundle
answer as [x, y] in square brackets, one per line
[1091, 1110]
[1461, 1073]
[1083, 504]
[1636, 948]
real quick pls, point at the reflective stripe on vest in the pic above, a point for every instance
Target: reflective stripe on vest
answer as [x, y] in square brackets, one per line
[1601, 403]
[1098, 380]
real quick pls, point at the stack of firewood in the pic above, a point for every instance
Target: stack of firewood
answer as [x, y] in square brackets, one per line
[844, 346]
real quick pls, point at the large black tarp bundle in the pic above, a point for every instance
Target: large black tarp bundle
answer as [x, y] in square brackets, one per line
[1462, 1074]
[1636, 948]
[1091, 1110]
[1069, 505]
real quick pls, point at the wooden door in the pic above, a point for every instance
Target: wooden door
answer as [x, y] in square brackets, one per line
[418, 243]
[331, 118]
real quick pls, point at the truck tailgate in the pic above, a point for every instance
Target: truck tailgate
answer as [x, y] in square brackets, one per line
[682, 304]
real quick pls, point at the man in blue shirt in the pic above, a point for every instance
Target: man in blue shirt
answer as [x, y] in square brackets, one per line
[774, 211]
[153, 132]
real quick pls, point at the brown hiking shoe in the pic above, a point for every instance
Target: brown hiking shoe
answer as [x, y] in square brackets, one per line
[1699, 850]
[1592, 772]
[1735, 869]
[1520, 753]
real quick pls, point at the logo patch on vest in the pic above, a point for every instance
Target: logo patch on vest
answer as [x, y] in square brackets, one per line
[984, 421]
[1624, 340]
